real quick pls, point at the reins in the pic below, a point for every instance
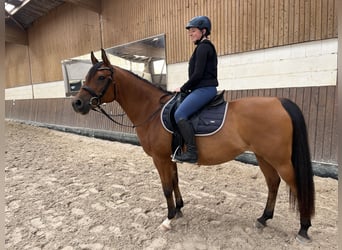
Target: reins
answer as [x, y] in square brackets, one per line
[124, 125]
[95, 100]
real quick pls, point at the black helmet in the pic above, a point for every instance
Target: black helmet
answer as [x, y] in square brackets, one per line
[200, 22]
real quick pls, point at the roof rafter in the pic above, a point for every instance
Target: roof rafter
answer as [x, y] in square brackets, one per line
[8, 15]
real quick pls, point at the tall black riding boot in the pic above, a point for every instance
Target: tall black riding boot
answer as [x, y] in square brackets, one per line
[188, 134]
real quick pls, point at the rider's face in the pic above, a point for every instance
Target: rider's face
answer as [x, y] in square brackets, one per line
[195, 34]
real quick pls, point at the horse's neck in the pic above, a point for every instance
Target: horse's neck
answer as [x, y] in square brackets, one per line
[136, 97]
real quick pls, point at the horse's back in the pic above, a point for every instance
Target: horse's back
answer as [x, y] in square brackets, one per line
[258, 110]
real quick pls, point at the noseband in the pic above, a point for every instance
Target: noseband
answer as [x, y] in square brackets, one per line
[95, 100]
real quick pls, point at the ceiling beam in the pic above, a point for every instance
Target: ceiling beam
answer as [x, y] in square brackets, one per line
[15, 35]
[93, 5]
[9, 16]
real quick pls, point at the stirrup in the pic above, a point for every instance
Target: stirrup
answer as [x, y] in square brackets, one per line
[173, 156]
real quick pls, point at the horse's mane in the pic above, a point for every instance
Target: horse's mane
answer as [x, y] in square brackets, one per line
[147, 81]
[96, 66]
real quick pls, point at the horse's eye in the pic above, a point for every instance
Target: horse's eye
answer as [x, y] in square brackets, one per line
[101, 78]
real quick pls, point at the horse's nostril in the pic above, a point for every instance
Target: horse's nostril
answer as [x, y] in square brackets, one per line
[77, 104]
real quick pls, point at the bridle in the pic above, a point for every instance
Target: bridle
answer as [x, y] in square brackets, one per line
[95, 100]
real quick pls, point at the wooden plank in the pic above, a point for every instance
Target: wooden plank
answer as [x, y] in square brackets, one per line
[273, 92]
[240, 26]
[318, 23]
[276, 24]
[281, 23]
[320, 123]
[267, 23]
[331, 18]
[267, 92]
[301, 24]
[312, 121]
[271, 23]
[324, 19]
[257, 23]
[306, 112]
[262, 24]
[291, 21]
[293, 94]
[335, 137]
[328, 132]
[286, 93]
[228, 20]
[335, 28]
[299, 99]
[286, 21]
[250, 26]
[306, 21]
[312, 20]
[233, 30]
[296, 22]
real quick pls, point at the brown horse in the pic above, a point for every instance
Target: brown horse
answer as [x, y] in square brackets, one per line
[273, 128]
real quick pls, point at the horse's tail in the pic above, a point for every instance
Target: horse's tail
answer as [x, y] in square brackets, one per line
[301, 161]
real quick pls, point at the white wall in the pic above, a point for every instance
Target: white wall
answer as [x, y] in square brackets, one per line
[298, 65]
[42, 90]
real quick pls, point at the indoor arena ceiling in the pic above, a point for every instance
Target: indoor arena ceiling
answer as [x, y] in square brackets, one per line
[20, 14]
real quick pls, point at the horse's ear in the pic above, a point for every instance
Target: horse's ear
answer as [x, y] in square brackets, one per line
[105, 58]
[93, 58]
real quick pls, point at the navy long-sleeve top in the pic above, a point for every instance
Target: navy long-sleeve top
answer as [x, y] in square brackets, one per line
[202, 67]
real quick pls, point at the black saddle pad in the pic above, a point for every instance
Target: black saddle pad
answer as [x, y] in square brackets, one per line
[206, 122]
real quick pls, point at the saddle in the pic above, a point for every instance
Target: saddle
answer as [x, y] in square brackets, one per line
[206, 121]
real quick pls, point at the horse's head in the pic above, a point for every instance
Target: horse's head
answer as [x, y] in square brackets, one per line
[98, 87]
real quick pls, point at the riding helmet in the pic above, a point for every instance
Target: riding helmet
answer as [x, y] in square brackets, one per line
[200, 22]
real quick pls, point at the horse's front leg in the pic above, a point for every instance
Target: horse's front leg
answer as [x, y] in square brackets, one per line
[169, 178]
[178, 195]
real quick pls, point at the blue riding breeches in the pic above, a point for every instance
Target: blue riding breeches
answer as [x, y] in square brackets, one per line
[193, 102]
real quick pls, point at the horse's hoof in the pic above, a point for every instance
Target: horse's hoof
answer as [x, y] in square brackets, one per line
[302, 239]
[259, 225]
[166, 225]
[179, 215]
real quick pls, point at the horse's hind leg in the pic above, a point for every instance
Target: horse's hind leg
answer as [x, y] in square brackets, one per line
[305, 220]
[273, 180]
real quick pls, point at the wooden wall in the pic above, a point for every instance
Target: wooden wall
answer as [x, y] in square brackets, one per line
[17, 70]
[68, 31]
[238, 26]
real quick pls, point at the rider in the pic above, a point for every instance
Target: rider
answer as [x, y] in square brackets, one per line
[201, 86]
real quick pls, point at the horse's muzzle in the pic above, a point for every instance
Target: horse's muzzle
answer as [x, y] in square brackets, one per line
[80, 106]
